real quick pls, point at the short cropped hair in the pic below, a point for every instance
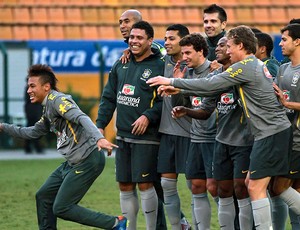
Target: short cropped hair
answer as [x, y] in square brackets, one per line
[264, 39]
[182, 30]
[293, 29]
[143, 25]
[214, 8]
[197, 41]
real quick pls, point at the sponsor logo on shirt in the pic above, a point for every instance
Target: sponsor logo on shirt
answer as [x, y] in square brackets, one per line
[295, 79]
[227, 98]
[267, 73]
[286, 95]
[234, 73]
[128, 89]
[196, 101]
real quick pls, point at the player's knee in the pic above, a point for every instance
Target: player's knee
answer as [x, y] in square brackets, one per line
[240, 190]
[169, 185]
[60, 211]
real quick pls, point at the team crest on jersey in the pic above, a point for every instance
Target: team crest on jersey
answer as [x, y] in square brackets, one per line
[295, 78]
[286, 95]
[267, 73]
[147, 73]
[227, 98]
[128, 89]
[196, 101]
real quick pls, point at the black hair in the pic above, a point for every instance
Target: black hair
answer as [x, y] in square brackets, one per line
[143, 25]
[293, 29]
[45, 73]
[214, 8]
[264, 39]
[182, 30]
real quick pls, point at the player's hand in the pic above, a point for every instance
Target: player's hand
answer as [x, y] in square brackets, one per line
[140, 125]
[214, 65]
[125, 57]
[159, 80]
[105, 144]
[279, 93]
[177, 73]
[178, 111]
[167, 90]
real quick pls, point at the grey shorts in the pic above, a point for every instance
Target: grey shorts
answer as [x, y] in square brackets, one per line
[200, 161]
[270, 156]
[231, 162]
[172, 154]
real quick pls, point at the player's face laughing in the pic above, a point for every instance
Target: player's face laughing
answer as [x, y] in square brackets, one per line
[36, 90]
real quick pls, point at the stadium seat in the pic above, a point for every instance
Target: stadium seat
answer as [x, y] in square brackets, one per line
[175, 15]
[262, 3]
[39, 15]
[159, 32]
[72, 32]
[26, 2]
[6, 32]
[38, 32]
[6, 15]
[231, 17]
[293, 12]
[56, 15]
[145, 14]
[107, 32]
[90, 15]
[55, 32]
[59, 2]
[158, 15]
[89, 32]
[261, 15]
[278, 15]
[192, 15]
[194, 29]
[279, 3]
[73, 15]
[21, 15]
[244, 15]
[9, 2]
[107, 16]
[21, 33]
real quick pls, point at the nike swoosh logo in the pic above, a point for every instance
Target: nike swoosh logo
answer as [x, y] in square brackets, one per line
[244, 171]
[147, 212]
[253, 172]
[145, 175]
[78, 172]
[125, 67]
[293, 172]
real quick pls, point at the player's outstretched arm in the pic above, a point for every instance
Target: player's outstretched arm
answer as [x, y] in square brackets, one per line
[159, 80]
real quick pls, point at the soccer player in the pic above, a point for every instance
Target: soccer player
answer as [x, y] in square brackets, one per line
[138, 116]
[232, 149]
[288, 92]
[175, 134]
[214, 23]
[267, 119]
[263, 52]
[198, 167]
[79, 141]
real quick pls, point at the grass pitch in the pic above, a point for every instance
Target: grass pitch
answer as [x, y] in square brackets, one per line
[20, 179]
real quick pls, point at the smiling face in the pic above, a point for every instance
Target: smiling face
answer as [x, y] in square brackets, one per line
[172, 43]
[212, 24]
[192, 57]
[234, 51]
[139, 43]
[221, 51]
[36, 90]
[126, 21]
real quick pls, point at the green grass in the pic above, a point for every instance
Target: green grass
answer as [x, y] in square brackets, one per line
[20, 179]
